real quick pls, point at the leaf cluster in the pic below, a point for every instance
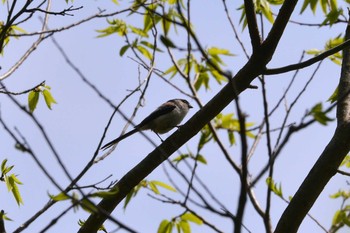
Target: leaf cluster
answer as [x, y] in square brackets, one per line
[151, 185]
[33, 97]
[331, 43]
[342, 216]
[181, 223]
[231, 125]
[274, 187]
[11, 181]
[320, 115]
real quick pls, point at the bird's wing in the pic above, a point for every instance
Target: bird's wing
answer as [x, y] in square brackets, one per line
[164, 109]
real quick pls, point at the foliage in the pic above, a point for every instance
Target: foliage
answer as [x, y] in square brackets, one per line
[331, 43]
[151, 185]
[33, 97]
[11, 181]
[320, 115]
[181, 223]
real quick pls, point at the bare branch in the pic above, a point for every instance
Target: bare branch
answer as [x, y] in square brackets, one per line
[309, 62]
[22, 92]
[343, 173]
[63, 12]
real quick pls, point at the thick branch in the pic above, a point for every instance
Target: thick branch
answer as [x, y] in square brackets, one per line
[252, 24]
[274, 36]
[329, 161]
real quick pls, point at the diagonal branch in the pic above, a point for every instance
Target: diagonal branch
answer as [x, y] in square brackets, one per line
[252, 24]
[275, 34]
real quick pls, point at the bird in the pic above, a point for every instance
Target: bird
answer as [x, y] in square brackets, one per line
[162, 120]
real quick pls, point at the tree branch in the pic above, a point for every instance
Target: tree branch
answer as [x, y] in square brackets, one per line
[269, 45]
[252, 24]
[332, 156]
[309, 62]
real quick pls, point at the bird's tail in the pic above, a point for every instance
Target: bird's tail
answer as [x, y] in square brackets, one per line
[111, 143]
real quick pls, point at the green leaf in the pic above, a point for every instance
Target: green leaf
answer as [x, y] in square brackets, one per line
[15, 179]
[276, 2]
[16, 28]
[165, 227]
[151, 46]
[200, 158]
[123, 50]
[173, 70]
[167, 42]
[231, 137]
[273, 187]
[59, 197]
[33, 98]
[88, 206]
[144, 52]
[14, 189]
[324, 5]
[127, 199]
[313, 51]
[133, 193]
[264, 7]
[7, 170]
[180, 158]
[153, 187]
[338, 217]
[334, 97]
[49, 100]
[205, 137]
[218, 51]
[188, 216]
[138, 31]
[163, 185]
[150, 19]
[202, 80]
[3, 216]
[341, 193]
[319, 115]
[218, 77]
[185, 226]
[106, 194]
[346, 161]
[166, 23]
[147, 22]
[3, 165]
[117, 26]
[312, 3]
[332, 16]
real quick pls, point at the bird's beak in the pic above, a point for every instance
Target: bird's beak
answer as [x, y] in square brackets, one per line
[190, 106]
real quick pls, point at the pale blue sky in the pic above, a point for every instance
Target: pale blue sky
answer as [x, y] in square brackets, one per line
[76, 123]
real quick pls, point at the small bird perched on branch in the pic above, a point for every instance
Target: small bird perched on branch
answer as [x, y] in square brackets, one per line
[162, 120]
